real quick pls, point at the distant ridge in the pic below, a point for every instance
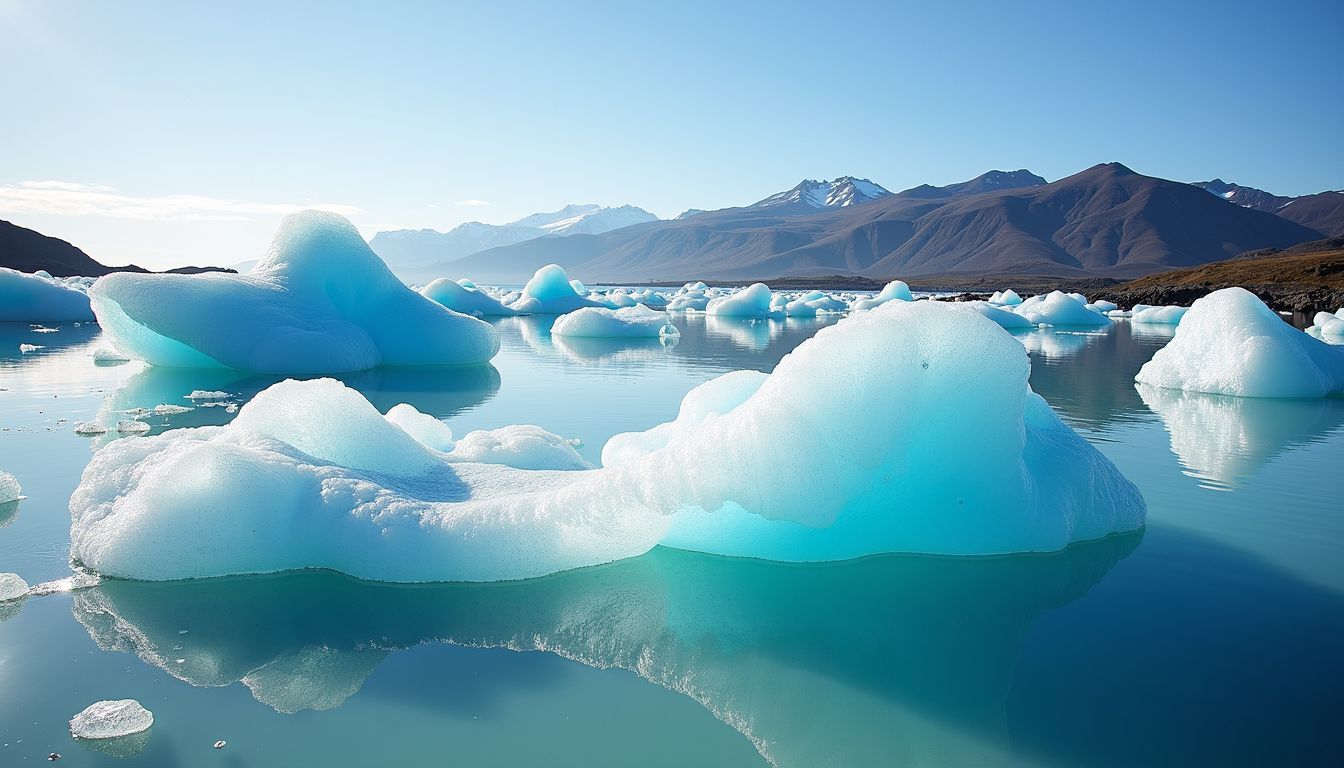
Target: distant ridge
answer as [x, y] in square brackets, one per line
[1105, 221]
[30, 251]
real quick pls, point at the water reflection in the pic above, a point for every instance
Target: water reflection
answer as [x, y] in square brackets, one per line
[1222, 440]
[851, 663]
[66, 335]
[1089, 378]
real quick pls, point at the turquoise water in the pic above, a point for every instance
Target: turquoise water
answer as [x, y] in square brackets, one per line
[1212, 637]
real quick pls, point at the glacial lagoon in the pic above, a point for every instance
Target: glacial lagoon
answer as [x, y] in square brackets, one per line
[1209, 637]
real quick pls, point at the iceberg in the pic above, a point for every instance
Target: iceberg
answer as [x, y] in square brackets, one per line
[31, 297]
[111, 719]
[467, 299]
[1007, 297]
[550, 292]
[896, 290]
[12, 587]
[1230, 343]
[808, 466]
[752, 301]
[813, 302]
[1059, 308]
[636, 321]
[1328, 327]
[320, 302]
[1005, 317]
[1159, 315]
[10, 490]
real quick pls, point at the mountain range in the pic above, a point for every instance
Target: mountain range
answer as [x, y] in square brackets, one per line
[405, 249]
[29, 251]
[1107, 220]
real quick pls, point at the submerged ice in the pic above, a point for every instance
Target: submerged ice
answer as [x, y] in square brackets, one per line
[906, 428]
[320, 302]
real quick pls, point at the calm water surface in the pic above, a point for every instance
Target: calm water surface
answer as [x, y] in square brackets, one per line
[1213, 637]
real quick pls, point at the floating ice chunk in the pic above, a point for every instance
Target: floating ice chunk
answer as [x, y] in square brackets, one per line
[1078, 297]
[9, 488]
[1102, 306]
[89, 429]
[636, 321]
[109, 356]
[168, 409]
[1059, 308]
[934, 444]
[1007, 298]
[690, 302]
[522, 446]
[12, 587]
[896, 290]
[427, 430]
[1159, 315]
[550, 292]
[132, 427]
[752, 301]
[1328, 327]
[1230, 343]
[26, 348]
[29, 297]
[75, 581]
[111, 719]
[467, 299]
[207, 394]
[321, 301]
[1005, 317]
[812, 303]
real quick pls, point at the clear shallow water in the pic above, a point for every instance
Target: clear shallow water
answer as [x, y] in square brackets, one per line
[1210, 638]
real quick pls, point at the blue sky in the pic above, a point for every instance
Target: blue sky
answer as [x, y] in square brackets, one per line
[179, 132]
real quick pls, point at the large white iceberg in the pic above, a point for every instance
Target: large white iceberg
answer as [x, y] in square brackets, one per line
[111, 719]
[1230, 343]
[752, 301]
[467, 299]
[29, 297]
[550, 292]
[908, 428]
[320, 302]
[637, 321]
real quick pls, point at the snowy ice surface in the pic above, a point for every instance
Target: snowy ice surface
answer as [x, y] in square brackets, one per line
[320, 302]
[635, 321]
[896, 290]
[930, 441]
[29, 297]
[111, 719]
[1230, 343]
[752, 301]
[12, 587]
[1002, 315]
[427, 430]
[1059, 308]
[9, 488]
[469, 300]
[550, 292]
[1159, 315]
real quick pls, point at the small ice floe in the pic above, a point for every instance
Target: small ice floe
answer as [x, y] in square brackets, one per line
[107, 356]
[207, 394]
[26, 348]
[12, 587]
[111, 719]
[90, 429]
[599, 322]
[76, 580]
[221, 744]
[168, 409]
[9, 488]
[132, 427]
[43, 329]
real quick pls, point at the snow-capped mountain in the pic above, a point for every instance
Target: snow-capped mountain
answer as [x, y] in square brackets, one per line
[408, 248]
[821, 195]
[1246, 197]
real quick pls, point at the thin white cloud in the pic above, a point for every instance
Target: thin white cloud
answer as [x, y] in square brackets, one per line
[64, 198]
[472, 203]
